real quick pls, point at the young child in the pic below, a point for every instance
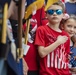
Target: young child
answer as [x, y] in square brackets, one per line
[53, 43]
[70, 27]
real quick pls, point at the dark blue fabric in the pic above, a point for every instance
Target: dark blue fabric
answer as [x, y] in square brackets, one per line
[2, 2]
[12, 63]
[29, 2]
[16, 68]
[70, 8]
[72, 60]
[20, 67]
[73, 49]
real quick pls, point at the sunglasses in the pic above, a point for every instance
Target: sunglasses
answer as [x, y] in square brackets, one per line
[51, 11]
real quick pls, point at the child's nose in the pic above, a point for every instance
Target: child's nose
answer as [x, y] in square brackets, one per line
[72, 29]
[55, 13]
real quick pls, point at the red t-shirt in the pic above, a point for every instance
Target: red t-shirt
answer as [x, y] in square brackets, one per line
[55, 63]
[31, 57]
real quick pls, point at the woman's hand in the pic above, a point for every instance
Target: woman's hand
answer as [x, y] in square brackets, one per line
[25, 67]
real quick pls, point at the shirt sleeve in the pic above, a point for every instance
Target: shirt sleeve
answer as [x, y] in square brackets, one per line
[40, 39]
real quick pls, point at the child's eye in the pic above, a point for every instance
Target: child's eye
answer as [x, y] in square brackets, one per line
[69, 25]
[75, 27]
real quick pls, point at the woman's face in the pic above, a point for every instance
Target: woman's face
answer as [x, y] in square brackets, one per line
[70, 27]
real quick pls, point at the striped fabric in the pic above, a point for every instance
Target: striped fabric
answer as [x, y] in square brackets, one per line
[57, 59]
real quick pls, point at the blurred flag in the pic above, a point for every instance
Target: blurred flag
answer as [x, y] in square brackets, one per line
[41, 17]
[32, 6]
[63, 0]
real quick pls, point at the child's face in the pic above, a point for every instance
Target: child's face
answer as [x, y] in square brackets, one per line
[55, 14]
[70, 27]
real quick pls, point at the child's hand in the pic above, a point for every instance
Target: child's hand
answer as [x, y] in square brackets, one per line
[25, 67]
[62, 39]
[73, 69]
[71, 52]
[69, 56]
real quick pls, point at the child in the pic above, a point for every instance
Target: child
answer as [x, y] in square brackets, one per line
[70, 27]
[53, 43]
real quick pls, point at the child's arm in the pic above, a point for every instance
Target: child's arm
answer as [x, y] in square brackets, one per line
[43, 51]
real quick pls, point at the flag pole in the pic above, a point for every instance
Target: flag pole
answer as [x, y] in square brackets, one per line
[4, 27]
[3, 22]
[19, 49]
[27, 30]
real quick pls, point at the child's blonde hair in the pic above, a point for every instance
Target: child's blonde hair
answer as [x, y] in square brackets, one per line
[60, 4]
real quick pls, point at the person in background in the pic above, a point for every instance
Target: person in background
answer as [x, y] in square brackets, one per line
[37, 19]
[9, 66]
[13, 18]
[31, 56]
[51, 49]
[3, 65]
[71, 7]
[70, 27]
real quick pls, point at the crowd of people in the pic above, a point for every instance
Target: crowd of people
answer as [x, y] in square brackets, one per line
[50, 39]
